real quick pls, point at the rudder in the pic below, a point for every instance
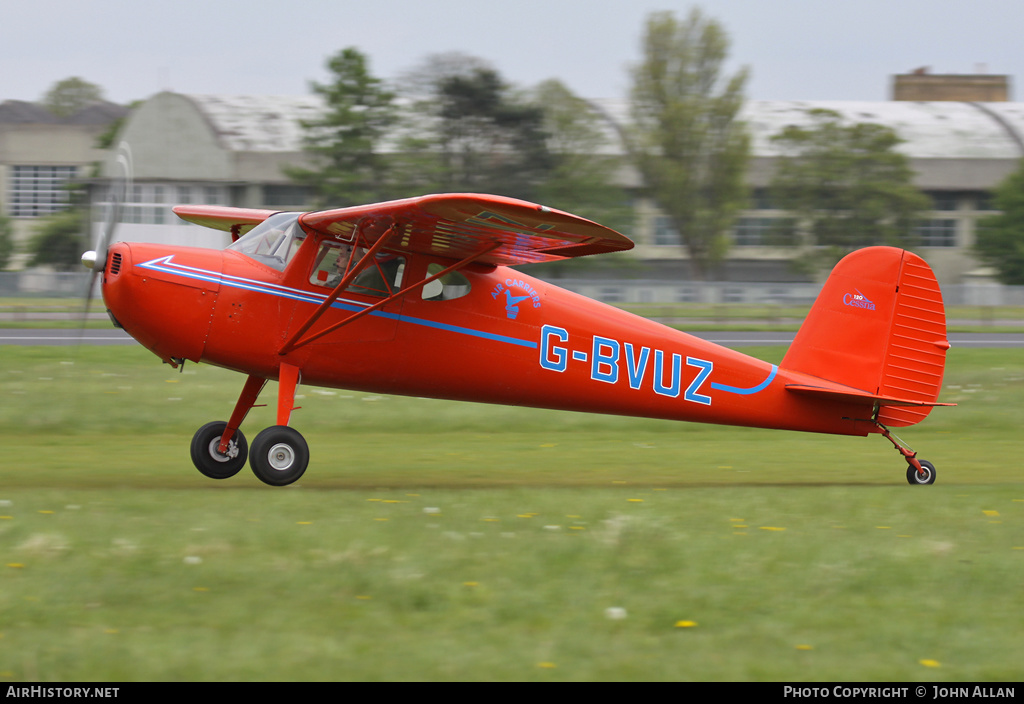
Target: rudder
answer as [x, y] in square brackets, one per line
[878, 326]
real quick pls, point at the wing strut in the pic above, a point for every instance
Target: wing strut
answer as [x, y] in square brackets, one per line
[295, 341]
[354, 271]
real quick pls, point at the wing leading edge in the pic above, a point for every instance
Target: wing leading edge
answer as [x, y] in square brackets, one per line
[455, 226]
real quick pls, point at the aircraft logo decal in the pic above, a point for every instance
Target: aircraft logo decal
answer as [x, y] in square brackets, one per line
[858, 300]
[512, 300]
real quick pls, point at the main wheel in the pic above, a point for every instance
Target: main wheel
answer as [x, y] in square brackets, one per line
[279, 455]
[927, 478]
[212, 463]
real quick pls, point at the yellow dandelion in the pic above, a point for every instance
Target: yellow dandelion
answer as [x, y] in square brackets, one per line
[804, 646]
[547, 665]
[930, 663]
[305, 523]
[776, 528]
[685, 624]
[991, 513]
[15, 565]
[471, 584]
[635, 501]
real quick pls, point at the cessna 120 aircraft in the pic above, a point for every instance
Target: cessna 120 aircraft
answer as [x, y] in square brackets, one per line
[416, 297]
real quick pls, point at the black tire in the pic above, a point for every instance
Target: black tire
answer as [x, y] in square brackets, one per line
[914, 478]
[212, 463]
[279, 455]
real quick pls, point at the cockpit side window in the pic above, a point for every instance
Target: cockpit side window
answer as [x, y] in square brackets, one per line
[380, 278]
[274, 241]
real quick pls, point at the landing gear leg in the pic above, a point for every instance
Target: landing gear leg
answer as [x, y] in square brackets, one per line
[279, 454]
[246, 400]
[219, 449]
[918, 471]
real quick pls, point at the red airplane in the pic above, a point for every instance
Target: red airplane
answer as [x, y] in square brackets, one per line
[416, 297]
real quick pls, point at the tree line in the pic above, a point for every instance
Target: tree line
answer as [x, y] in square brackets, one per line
[455, 125]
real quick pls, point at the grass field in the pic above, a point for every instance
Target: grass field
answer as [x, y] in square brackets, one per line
[443, 541]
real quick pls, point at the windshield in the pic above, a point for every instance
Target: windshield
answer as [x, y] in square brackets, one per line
[274, 241]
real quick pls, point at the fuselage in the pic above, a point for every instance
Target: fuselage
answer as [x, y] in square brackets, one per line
[494, 335]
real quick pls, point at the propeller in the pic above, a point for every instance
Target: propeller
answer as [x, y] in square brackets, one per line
[118, 194]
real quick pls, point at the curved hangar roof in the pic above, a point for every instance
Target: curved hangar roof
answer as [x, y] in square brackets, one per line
[932, 130]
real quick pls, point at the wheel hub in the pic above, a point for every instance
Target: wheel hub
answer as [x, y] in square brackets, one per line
[281, 456]
[231, 454]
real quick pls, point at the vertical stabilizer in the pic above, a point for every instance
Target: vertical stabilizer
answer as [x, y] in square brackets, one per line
[878, 326]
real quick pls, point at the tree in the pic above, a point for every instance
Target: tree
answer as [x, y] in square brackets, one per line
[846, 185]
[59, 240]
[686, 139]
[582, 177]
[6, 241]
[347, 142]
[1000, 239]
[472, 132]
[71, 95]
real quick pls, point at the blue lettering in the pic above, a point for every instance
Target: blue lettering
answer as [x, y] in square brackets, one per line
[705, 371]
[636, 368]
[605, 359]
[672, 388]
[551, 357]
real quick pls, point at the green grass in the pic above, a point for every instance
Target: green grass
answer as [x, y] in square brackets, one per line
[441, 541]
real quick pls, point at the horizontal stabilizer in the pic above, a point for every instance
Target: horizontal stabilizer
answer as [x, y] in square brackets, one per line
[858, 395]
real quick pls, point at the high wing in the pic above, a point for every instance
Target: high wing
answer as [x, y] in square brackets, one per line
[499, 230]
[237, 221]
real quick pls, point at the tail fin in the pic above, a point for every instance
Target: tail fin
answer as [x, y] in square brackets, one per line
[878, 328]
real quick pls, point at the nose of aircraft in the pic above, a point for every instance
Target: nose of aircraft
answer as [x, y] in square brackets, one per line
[163, 296]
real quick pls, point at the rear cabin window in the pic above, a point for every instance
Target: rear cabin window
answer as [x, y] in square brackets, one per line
[381, 278]
[450, 286]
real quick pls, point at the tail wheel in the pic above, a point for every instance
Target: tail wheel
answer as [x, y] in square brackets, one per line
[279, 455]
[212, 463]
[927, 477]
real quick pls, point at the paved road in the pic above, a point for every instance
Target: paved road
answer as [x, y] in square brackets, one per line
[727, 338]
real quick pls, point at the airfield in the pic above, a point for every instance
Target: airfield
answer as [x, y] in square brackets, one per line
[432, 540]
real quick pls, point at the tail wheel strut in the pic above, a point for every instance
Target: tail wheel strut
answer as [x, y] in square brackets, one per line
[918, 471]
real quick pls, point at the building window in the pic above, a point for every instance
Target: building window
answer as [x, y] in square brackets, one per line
[39, 190]
[664, 232]
[762, 200]
[983, 201]
[942, 200]
[937, 233]
[753, 232]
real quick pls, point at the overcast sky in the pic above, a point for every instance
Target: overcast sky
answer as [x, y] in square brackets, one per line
[795, 49]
